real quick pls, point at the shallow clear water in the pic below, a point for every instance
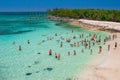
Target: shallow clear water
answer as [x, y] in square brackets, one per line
[20, 27]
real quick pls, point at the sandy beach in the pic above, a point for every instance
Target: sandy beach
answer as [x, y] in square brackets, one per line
[97, 25]
[102, 67]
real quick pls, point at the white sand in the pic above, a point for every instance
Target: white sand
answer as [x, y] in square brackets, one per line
[104, 24]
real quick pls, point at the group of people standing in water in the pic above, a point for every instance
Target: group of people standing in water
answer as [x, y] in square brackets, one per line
[86, 41]
[56, 55]
[20, 47]
[89, 42]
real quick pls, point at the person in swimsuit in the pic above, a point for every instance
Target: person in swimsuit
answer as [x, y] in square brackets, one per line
[115, 45]
[50, 52]
[20, 48]
[68, 53]
[28, 41]
[74, 52]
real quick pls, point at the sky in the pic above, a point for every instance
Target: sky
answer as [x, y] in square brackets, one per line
[43, 5]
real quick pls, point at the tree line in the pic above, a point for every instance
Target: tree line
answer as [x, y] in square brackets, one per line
[94, 14]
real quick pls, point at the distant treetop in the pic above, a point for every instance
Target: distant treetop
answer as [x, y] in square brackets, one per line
[94, 14]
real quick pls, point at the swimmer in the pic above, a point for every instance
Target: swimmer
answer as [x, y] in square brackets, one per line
[85, 44]
[55, 55]
[58, 56]
[68, 40]
[91, 52]
[61, 44]
[113, 36]
[20, 48]
[92, 39]
[99, 41]
[50, 52]
[115, 45]
[74, 44]
[104, 41]
[74, 52]
[55, 34]
[82, 35]
[74, 37]
[100, 49]
[109, 37]
[93, 43]
[28, 42]
[109, 47]
[68, 53]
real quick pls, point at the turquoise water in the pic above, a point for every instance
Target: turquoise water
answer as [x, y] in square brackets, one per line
[34, 58]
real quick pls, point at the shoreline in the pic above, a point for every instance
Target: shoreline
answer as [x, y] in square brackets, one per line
[91, 27]
[104, 66]
[106, 26]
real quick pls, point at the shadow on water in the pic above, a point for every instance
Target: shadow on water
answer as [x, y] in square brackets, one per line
[65, 25]
[8, 32]
[68, 26]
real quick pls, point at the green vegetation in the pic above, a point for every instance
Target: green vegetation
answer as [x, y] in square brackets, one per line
[95, 14]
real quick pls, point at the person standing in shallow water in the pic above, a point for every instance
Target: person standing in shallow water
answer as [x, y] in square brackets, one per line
[55, 34]
[61, 44]
[115, 45]
[74, 52]
[28, 41]
[50, 52]
[20, 48]
[68, 53]
[108, 47]
[100, 49]
[55, 55]
[58, 56]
